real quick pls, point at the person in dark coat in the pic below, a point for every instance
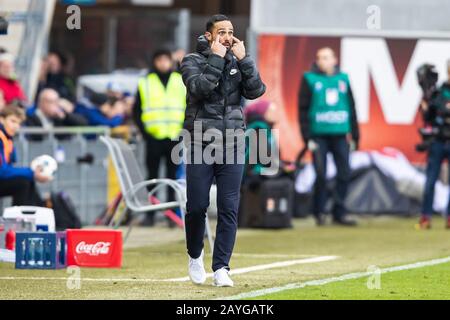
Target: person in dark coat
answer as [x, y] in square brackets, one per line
[217, 77]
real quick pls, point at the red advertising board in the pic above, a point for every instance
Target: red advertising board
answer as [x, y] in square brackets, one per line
[94, 248]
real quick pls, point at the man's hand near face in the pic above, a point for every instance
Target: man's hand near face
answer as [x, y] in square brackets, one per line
[238, 48]
[424, 105]
[218, 48]
[60, 114]
[66, 105]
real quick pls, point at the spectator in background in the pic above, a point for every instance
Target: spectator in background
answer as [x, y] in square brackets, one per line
[114, 90]
[15, 181]
[53, 76]
[42, 79]
[2, 101]
[436, 114]
[69, 70]
[177, 57]
[328, 123]
[2, 96]
[159, 114]
[260, 116]
[12, 91]
[129, 101]
[102, 111]
[52, 111]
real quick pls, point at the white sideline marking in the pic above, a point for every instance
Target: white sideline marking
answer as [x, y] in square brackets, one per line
[84, 279]
[270, 255]
[320, 282]
[266, 266]
[235, 271]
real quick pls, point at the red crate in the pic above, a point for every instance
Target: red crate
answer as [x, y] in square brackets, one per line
[94, 248]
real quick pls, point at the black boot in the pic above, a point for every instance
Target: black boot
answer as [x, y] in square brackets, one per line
[149, 220]
[344, 221]
[320, 219]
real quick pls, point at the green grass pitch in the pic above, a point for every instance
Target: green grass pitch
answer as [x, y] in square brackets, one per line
[157, 254]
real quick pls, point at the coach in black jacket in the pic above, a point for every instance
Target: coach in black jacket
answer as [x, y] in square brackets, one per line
[217, 76]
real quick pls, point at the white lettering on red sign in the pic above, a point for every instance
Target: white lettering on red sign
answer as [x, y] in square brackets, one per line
[93, 249]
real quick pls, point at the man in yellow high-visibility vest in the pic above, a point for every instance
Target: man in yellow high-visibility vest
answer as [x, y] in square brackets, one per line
[159, 114]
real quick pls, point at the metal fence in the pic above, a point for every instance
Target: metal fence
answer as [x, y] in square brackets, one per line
[82, 164]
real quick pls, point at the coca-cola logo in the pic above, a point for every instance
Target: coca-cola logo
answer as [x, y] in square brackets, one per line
[94, 249]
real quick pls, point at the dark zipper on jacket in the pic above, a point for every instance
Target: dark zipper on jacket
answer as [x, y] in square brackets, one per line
[225, 102]
[196, 113]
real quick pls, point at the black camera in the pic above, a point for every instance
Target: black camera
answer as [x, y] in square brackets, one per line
[427, 134]
[427, 77]
[437, 114]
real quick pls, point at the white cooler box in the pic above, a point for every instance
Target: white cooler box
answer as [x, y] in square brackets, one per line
[43, 218]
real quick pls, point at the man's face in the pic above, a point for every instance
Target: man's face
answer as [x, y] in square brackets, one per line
[53, 63]
[163, 63]
[11, 124]
[326, 60]
[272, 114]
[6, 69]
[224, 30]
[49, 103]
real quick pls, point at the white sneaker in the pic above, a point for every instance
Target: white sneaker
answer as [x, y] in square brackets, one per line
[222, 278]
[197, 271]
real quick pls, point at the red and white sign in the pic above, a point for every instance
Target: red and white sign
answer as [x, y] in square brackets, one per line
[383, 79]
[94, 248]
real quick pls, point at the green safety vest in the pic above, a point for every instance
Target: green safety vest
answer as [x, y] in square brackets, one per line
[443, 97]
[162, 108]
[446, 93]
[257, 168]
[329, 111]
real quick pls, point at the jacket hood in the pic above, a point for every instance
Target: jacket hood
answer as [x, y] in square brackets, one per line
[203, 46]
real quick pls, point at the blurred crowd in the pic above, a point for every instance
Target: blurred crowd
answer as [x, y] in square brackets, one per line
[56, 103]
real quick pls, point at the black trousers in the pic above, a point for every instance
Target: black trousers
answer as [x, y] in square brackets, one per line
[438, 152]
[156, 152]
[23, 191]
[339, 148]
[199, 178]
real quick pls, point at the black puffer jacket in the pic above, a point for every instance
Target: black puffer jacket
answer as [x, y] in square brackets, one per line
[215, 87]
